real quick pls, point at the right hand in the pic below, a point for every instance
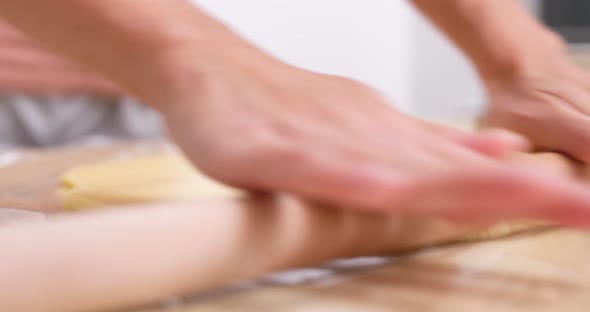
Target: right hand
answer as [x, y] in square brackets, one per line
[279, 128]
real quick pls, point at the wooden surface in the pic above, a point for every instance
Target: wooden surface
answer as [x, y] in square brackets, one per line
[541, 270]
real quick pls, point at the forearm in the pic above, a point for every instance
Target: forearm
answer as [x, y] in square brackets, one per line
[500, 37]
[120, 258]
[140, 45]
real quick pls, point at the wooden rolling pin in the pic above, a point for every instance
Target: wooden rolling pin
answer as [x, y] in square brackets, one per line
[120, 258]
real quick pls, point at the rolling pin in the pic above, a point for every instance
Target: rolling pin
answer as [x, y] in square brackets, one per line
[121, 258]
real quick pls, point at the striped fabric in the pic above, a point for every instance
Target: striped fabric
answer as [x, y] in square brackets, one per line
[27, 67]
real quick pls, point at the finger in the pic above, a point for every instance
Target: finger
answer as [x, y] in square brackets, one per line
[482, 196]
[552, 162]
[572, 136]
[569, 93]
[456, 157]
[336, 178]
[497, 142]
[492, 142]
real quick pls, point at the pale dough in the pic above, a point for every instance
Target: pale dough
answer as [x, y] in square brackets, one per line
[147, 179]
[170, 177]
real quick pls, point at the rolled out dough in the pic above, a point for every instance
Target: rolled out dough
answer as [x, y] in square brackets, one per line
[170, 177]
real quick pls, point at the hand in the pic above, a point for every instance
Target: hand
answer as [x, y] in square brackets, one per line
[551, 107]
[279, 128]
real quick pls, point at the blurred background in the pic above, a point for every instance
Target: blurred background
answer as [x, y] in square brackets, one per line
[384, 43]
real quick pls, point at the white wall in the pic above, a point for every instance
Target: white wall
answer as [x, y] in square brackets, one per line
[366, 40]
[444, 85]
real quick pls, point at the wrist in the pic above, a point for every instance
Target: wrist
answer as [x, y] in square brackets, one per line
[162, 59]
[184, 69]
[528, 59]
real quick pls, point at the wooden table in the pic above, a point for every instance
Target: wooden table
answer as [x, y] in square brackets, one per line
[544, 270]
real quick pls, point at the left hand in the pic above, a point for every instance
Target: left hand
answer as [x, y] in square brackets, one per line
[550, 106]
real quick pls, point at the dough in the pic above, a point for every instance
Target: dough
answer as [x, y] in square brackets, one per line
[167, 177]
[504, 229]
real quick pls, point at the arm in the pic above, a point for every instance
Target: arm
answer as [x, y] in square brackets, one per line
[136, 44]
[500, 37]
[534, 88]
